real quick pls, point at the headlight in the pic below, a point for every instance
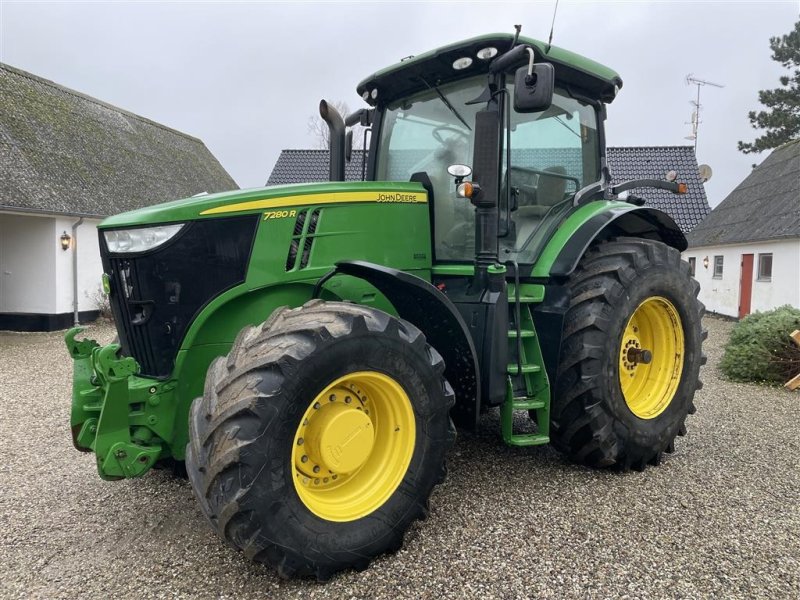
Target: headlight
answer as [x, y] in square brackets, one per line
[140, 240]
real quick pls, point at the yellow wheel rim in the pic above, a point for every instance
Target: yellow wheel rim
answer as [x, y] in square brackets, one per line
[353, 446]
[651, 357]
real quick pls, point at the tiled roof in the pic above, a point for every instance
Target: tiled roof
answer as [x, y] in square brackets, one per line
[653, 162]
[298, 166]
[765, 206]
[62, 152]
[307, 166]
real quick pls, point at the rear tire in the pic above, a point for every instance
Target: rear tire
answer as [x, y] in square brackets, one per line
[592, 420]
[245, 432]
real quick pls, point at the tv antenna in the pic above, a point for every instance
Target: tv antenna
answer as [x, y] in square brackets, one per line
[695, 122]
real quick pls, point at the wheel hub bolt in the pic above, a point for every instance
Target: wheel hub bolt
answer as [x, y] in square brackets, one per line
[636, 356]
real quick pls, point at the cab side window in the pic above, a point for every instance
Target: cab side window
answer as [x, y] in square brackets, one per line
[554, 153]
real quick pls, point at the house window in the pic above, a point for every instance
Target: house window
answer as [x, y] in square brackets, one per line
[692, 264]
[718, 267]
[765, 267]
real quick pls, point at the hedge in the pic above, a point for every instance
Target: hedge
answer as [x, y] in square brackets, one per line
[760, 348]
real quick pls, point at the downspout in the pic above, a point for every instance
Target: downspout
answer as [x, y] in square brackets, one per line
[75, 226]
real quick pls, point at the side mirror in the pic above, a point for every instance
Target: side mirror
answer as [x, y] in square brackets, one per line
[348, 145]
[534, 92]
[459, 172]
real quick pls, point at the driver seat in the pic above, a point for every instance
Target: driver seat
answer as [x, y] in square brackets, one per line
[550, 191]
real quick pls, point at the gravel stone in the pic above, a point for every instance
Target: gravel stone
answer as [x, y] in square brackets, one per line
[719, 518]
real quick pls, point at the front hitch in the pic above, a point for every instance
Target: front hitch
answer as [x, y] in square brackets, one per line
[121, 417]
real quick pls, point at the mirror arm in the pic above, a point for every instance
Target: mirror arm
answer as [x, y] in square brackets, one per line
[363, 116]
[587, 193]
[508, 59]
[660, 184]
[348, 146]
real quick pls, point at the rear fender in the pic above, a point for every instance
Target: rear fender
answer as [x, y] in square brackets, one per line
[615, 219]
[592, 223]
[420, 303]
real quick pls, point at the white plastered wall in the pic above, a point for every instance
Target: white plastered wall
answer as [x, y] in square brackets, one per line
[28, 247]
[722, 295]
[90, 268]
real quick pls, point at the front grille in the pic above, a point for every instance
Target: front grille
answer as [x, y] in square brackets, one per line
[312, 229]
[302, 239]
[156, 295]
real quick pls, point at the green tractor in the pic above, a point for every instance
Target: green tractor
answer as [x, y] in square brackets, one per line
[307, 351]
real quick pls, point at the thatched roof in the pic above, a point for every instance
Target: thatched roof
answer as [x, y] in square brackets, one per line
[62, 152]
[765, 206]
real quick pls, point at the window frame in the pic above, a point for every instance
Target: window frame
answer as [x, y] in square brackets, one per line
[760, 276]
[714, 274]
[692, 260]
[535, 243]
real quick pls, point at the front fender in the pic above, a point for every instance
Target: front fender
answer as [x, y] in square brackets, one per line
[420, 303]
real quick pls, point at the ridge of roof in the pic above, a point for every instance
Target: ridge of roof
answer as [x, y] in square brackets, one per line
[764, 206]
[93, 100]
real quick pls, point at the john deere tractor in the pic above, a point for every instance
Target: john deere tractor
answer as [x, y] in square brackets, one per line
[307, 351]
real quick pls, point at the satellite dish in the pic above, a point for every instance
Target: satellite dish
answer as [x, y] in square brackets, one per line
[705, 172]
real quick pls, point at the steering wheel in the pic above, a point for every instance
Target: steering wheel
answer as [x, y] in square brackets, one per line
[575, 180]
[437, 134]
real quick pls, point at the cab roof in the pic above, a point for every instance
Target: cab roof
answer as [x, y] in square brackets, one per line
[435, 67]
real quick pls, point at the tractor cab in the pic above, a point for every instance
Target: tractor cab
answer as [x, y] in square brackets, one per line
[424, 122]
[553, 153]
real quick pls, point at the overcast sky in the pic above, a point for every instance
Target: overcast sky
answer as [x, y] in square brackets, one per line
[244, 77]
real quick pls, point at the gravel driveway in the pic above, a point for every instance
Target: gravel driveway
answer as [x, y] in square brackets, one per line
[720, 517]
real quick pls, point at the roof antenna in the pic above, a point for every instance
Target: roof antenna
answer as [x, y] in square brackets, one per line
[552, 27]
[695, 123]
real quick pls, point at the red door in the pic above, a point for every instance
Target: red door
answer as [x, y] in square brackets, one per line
[746, 285]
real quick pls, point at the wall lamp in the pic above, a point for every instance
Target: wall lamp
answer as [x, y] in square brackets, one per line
[66, 240]
[705, 262]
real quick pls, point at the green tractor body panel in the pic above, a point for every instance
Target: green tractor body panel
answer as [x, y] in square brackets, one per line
[301, 232]
[584, 224]
[240, 255]
[262, 200]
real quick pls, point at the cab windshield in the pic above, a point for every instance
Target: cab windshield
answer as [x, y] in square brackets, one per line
[553, 154]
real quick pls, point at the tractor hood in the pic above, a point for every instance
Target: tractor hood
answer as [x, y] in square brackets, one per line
[267, 198]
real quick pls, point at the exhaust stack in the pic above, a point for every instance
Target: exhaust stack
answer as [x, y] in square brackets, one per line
[336, 139]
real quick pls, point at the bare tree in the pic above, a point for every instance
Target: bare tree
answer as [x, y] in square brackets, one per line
[318, 128]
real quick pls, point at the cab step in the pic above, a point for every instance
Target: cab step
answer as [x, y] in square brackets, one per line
[524, 299]
[524, 333]
[527, 404]
[513, 369]
[528, 389]
[527, 439]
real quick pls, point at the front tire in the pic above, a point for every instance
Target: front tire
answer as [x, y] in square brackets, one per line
[319, 439]
[630, 356]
